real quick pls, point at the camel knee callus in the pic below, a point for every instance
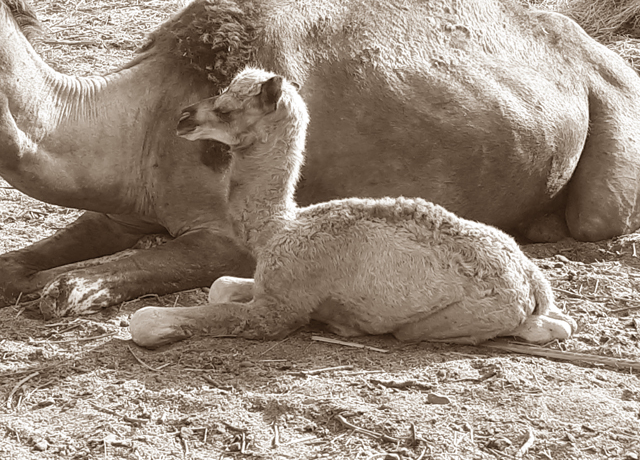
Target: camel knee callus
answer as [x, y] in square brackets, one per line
[363, 266]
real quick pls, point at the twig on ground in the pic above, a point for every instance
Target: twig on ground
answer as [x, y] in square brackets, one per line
[304, 440]
[496, 453]
[154, 369]
[185, 446]
[104, 409]
[71, 42]
[18, 385]
[369, 433]
[580, 296]
[364, 372]
[564, 355]
[273, 346]
[62, 323]
[218, 385]
[383, 455]
[347, 344]
[600, 298]
[618, 310]
[527, 445]
[424, 451]
[402, 384]
[233, 427]
[275, 442]
[325, 369]
[134, 420]
[82, 339]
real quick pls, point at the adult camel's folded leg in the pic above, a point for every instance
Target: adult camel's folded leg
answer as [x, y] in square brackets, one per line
[604, 192]
[92, 235]
[191, 260]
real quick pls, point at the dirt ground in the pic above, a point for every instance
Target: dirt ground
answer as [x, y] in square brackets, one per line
[80, 389]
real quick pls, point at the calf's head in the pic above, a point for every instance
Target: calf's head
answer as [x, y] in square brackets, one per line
[237, 113]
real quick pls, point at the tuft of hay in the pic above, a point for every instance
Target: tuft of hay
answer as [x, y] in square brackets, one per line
[614, 23]
[602, 19]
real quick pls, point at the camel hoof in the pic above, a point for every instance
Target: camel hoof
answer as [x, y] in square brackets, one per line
[231, 289]
[542, 329]
[150, 328]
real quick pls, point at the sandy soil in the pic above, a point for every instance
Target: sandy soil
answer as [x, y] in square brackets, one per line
[80, 389]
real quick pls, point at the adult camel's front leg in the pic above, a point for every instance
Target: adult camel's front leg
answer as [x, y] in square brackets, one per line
[191, 260]
[92, 235]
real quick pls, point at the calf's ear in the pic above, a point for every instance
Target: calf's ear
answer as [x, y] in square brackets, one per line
[271, 93]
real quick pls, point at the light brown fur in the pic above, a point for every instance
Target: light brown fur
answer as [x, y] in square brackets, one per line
[504, 115]
[363, 266]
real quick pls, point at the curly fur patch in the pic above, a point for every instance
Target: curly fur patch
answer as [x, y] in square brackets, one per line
[25, 17]
[212, 36]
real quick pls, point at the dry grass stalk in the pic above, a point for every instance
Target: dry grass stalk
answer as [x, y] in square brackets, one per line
[18, 385]
[154, 369]
[617, 363]
[614, 23]
[79, 339]
[527, 445]
[347, 344]
[365, 431]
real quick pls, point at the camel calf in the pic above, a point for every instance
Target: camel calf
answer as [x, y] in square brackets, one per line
[362, 266]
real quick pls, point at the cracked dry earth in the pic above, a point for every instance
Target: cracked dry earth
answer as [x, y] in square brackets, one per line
[80, 389]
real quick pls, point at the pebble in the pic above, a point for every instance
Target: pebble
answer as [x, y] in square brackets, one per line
[499, 444]
[562, 258]
[433, 398]
[41, 445]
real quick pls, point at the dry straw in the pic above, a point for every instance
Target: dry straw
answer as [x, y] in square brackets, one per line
[615, 23]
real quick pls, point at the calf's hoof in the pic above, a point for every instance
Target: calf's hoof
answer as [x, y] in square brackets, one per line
[151, 328]
[542, 329]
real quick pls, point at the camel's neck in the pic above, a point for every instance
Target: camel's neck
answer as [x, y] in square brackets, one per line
[263, 180]
[91, 142]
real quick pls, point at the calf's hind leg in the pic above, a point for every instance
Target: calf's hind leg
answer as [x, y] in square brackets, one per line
[472, 322]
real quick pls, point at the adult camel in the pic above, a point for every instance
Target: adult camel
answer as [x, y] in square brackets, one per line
[505, 115]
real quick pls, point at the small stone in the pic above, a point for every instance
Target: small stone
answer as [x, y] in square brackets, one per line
[562, 258]
[41, 445]
[632, 456]
[46, 402]
[245, 364]
[124, 323]
[499, 444]
[433, 398]
[101, 329]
